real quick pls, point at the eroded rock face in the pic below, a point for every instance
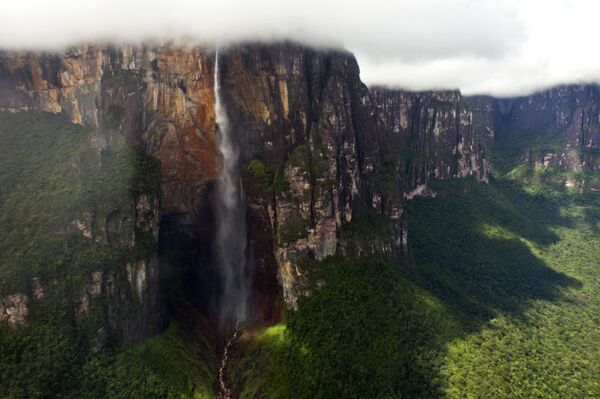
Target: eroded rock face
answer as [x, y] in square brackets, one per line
[333, 152]
[69, 84]
[305, 115]
[336, 151]
[135, 286]
[14, 309]
[566, 118]
[160, 96]
[436, 135]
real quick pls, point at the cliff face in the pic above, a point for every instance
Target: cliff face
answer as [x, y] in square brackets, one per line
[559, 127]
[573, 109]
[330, 154]
[159, 97]
[80, 223]
[436, 135]
[323, 155]
[305, 117]
[109, 230]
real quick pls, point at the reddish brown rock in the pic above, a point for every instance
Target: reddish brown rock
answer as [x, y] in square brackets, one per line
[334, 151]
[161, 96]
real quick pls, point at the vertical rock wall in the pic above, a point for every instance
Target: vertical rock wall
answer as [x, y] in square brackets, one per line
[558, 127]
[321, 151]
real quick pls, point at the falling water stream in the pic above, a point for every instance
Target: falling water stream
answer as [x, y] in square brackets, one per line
[230, 236]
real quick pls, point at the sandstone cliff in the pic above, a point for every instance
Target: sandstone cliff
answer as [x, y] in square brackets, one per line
[558, 127]
[323, 155]
[331, 154]
[436, 134]
[161, 97]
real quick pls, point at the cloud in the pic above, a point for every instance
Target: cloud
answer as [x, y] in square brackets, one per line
[500, 47]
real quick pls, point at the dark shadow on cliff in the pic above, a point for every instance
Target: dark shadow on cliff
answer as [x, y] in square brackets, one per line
[186, 251]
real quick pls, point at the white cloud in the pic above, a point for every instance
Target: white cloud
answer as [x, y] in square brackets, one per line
[557, 47]
[501, 47]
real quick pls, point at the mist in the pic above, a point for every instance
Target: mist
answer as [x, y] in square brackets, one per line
[497, 47]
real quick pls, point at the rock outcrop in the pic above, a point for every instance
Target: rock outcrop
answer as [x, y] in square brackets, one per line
[435, 134]
[562, 123]
[134, 287]
[322, 154]
[160, 97]
[13, 309]
[329, 152]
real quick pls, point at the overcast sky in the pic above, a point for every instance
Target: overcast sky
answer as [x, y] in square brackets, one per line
[500, 47]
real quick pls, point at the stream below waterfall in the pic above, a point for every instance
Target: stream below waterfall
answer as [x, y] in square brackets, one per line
[224, 391]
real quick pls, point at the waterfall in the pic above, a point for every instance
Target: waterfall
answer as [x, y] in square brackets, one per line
[230, 214]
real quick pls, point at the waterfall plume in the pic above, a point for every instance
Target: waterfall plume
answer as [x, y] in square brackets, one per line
[230, 214]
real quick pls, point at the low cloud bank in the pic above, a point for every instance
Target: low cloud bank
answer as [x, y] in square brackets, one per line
[499, 47]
